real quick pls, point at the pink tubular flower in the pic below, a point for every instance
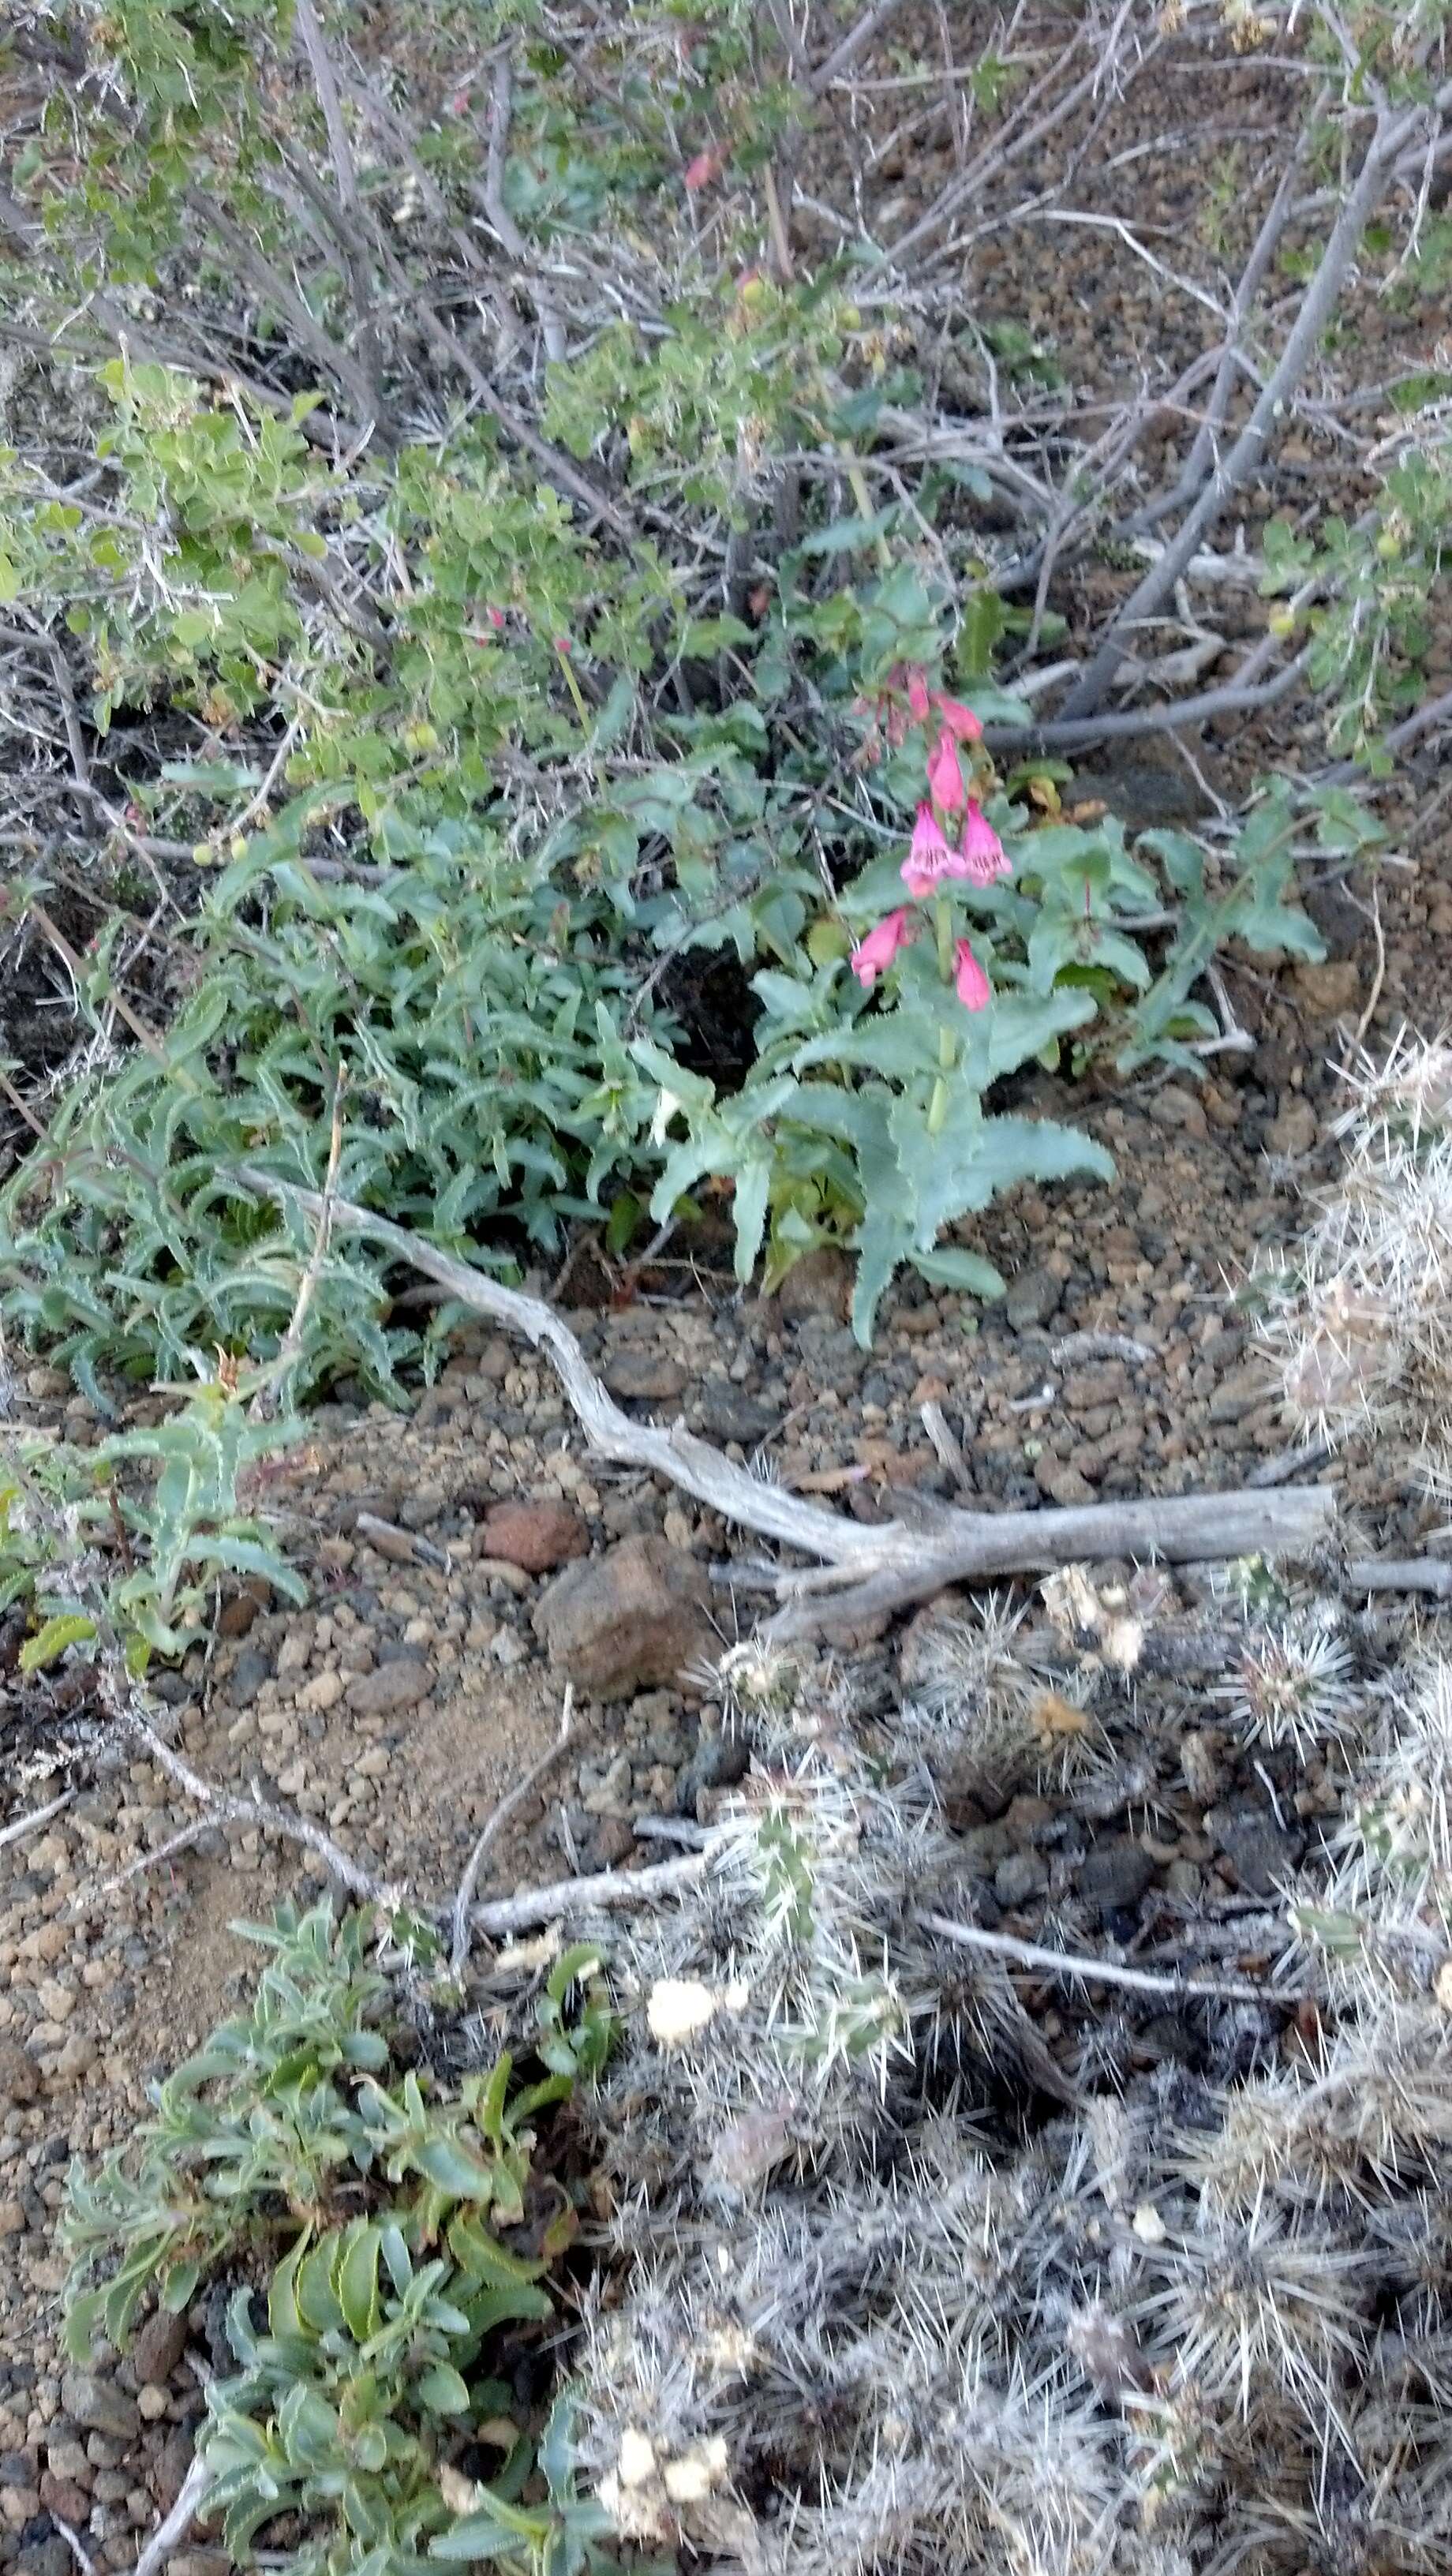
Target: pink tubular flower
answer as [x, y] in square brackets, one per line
[875, 953]
[969, 981]
[917, 696]
[945, 778]
[705, 167]
[929, 858]
[983, 852]
[959, 721]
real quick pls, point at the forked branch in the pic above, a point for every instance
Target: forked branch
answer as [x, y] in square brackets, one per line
[872, 1570]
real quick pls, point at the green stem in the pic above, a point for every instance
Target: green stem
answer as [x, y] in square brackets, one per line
[947, 1043]
[857, 481]
[576, 692]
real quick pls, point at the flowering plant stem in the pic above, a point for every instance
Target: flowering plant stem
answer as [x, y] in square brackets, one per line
[947, 1045]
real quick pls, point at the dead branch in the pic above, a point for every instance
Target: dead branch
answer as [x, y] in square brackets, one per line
[611, 1891]
[224, 1808]
[491, 197]
[463, 1902]
[1104, 1972]
[20, 1826]
[1392, 133]
[1429, 1574]
[178, 2522]
[889, 1565]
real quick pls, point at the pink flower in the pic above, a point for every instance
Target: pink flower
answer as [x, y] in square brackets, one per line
[969, 980]
[960, 721]
[706, 166]
[983, 854]
[917, 696]
[945, 778]
[930, 858]
[875, 953]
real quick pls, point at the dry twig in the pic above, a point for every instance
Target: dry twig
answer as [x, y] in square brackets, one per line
[1104, 1972]
[20, 1826]
[894, 1563]
[508, 1806]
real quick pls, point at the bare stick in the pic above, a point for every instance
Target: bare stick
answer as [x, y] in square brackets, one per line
[224, 1808]
[896, 1562]
[119, 1003]
[947, 1445]
[17, 1830]
[184, 1840]
[612, 1891]
[500, 106]
[320, 63]
[402, 1542]
[178, 2522]
[1291, 1462]
[1235, 698]
[1429, 1574]
[459, 1953]
[1377, 981]
[852, 43]
[75, 2545]
[1100, 1346]
[971, 1547]
[264, 1402]
[1107, 1972]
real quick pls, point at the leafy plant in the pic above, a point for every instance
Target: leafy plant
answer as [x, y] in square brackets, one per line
[459, 729]
[85, 1548]
[402, 2227]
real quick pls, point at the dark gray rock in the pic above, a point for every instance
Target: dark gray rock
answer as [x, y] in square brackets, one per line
[1115, 1874]
[729, 1413]
[94, 2401]
[1262, 1853]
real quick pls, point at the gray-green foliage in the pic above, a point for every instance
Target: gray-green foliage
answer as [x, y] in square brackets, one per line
[479, 767]
[124, 1544]
[401, 2228]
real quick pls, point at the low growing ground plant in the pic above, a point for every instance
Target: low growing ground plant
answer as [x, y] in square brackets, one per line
[389, 2242]
[125, 1543]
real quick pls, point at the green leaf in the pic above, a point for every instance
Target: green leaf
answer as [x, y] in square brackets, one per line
[317, 2300]
[283, 2315]
[67, 1628]
[356, 2280]
[441, 2390]
[445, 2162]
[481, 2257]
[949, 1266]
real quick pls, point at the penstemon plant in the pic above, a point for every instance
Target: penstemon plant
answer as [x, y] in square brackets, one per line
[461, 727]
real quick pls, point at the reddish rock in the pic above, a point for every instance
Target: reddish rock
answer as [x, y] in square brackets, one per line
[62, 2496]
[536, 1536]
[819, 1284]
[617, 1623]
[158, 2347]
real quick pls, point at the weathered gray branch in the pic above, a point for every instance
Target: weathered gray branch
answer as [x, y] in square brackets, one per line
[885, 1567]
[1391, 135]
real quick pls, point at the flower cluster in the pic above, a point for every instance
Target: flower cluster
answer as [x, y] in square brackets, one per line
[952, 836]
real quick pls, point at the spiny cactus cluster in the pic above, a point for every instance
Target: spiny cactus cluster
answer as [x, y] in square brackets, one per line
[1358, 1321]
[901, 2294]
[923, 2267]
